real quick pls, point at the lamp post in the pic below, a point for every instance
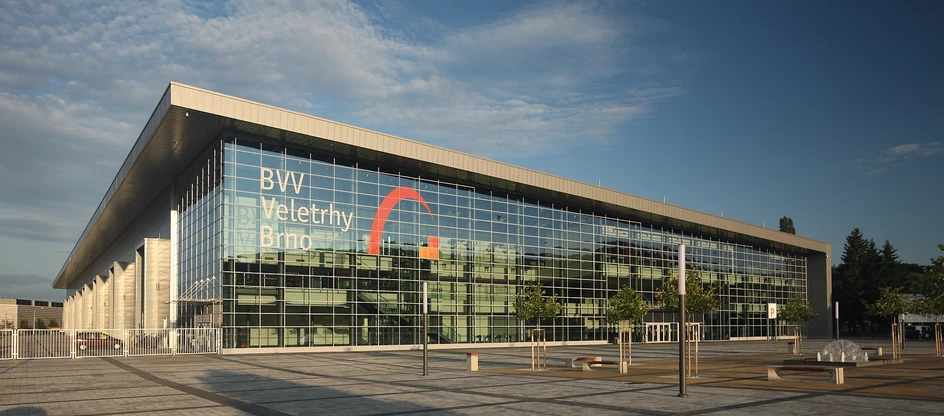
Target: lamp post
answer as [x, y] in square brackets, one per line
[34, 315]
[837, 320]
[683, 332]
[425, 330]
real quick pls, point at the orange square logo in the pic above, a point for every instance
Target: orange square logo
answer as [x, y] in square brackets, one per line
[432, 250]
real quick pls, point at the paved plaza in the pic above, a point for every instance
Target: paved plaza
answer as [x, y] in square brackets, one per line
[731, 381]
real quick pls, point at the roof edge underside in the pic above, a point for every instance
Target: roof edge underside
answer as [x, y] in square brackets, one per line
[160, 111]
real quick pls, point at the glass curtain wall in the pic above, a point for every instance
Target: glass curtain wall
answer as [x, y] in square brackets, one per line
[318, 251]
[199, 206]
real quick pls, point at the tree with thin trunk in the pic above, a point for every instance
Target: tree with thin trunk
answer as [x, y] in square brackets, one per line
[892, 303]
[797, 312]
[534, 305]
[700, 298]
[931, 288]
[626, 307]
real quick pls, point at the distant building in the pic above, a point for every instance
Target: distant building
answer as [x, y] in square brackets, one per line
[12, 311]
[289, 231]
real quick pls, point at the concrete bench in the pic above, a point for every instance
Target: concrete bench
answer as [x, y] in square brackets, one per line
[573, 361]
[878, 350]
[835, 373]
[588, 365]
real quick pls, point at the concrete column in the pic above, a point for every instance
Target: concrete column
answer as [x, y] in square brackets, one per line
[98, 307]
[80, 308]
[124, 295]
[820, 286]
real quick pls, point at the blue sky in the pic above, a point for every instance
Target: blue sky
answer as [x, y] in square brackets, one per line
[830, 113]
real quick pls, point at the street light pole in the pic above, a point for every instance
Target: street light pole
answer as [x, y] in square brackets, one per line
[425, 330]
[837, 320]
[683, 331]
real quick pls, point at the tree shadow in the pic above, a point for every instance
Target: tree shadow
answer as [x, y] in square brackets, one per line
[24, 410]
[310, 393]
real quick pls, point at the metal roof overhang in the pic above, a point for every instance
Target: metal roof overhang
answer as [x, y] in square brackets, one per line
[188, 119]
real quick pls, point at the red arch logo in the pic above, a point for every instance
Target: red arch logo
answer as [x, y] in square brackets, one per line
[380, 219]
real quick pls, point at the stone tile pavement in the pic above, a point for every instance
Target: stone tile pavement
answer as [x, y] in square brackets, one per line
[731, 381]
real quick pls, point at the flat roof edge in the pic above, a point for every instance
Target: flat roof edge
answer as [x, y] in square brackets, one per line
[299, 123]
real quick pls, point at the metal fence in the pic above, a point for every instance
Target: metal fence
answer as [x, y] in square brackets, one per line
[25, 344]
[6, 343]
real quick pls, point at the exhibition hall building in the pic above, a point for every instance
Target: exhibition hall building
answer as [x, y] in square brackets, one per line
[291, 232]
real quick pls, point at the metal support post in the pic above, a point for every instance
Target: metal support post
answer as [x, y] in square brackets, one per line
[425, 331]
[683, 332]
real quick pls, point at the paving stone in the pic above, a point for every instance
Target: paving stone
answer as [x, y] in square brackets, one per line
[732, 381]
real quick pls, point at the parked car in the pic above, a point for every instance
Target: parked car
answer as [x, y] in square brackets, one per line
[918, 332]
[96, 341]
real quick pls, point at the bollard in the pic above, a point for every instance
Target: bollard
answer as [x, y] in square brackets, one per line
[472, 361]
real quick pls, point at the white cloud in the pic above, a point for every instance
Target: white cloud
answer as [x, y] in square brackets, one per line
[912, 150]
[78, 81]
[896, 154]
[525, 73]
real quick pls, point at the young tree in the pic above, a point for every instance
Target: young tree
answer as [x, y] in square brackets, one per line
[7, 323]
[892, 303]
[931, 287]
[41, 324]
[533, 305]
[53, 323]
[626, 306]
[700, 298]
[23, 324]
[797, 312]
[786, 225]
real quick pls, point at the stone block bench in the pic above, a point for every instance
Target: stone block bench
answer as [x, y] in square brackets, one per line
[589, 365]
[835, 373]
[573, 362]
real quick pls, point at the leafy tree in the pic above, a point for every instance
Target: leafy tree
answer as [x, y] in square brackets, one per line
[891, 303]
[629, 306]
[700, 298]
[24, 324]
[41, 324]
[931, 287]
[7, 323]
[797, 312]
[786, 225]
[533, 305]
[53, 323]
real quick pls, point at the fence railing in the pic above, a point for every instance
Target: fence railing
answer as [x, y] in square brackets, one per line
[6, 343]
[27, 344]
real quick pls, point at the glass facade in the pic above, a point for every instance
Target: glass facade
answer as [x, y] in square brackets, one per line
[302, 249]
